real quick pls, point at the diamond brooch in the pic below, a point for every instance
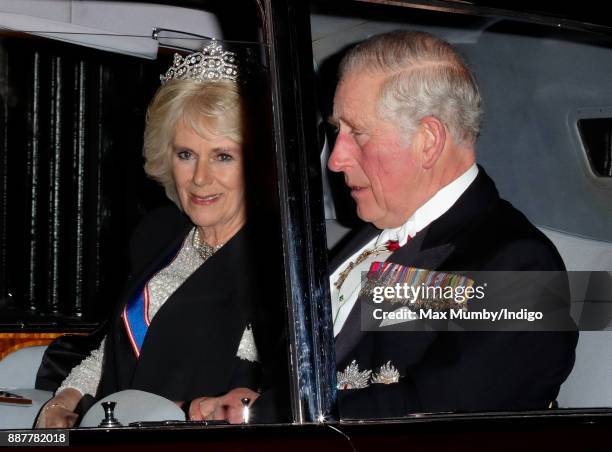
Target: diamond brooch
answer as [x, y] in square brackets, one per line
[387, 374]
[353, 378]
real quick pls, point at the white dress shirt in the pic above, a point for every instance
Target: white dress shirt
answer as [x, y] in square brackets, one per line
[344, 299]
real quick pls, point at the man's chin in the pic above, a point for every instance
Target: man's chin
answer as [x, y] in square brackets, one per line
[370, 217]
[380, 221]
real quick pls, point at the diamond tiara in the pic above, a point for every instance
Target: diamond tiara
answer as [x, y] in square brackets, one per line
[209, 64]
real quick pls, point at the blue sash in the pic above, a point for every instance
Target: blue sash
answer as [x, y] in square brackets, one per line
[136, 319]
[136, 312]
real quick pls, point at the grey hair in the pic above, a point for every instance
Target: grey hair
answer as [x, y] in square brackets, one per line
[213, 108]
[426, 77]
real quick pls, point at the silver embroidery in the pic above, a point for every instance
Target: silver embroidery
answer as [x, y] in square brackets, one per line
[86, 376]
[247, 349]
[352, 378]
[387, 374]
[168, 279]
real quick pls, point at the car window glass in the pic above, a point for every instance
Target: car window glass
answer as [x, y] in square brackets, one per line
[75, 82]
[539, 115]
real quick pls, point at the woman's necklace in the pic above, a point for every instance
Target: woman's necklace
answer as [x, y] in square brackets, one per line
[204, 249]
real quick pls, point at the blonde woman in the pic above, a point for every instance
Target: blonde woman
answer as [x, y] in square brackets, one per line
[191, 325]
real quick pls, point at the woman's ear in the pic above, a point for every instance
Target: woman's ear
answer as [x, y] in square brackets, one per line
[433, 135]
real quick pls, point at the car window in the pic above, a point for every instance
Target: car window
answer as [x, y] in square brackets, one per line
[75, 82]
[544, 140]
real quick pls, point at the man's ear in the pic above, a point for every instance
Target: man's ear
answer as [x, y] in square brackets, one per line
[433, 135]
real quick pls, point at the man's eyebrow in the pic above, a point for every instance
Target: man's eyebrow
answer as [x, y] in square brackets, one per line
[333, 121]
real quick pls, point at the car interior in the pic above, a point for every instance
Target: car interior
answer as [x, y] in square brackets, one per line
[546, 140]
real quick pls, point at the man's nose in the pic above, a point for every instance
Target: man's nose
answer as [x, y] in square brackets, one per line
[340, 155]
[202, 173]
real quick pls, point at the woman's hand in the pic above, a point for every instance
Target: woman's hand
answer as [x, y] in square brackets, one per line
[59, 411]
[227, 407]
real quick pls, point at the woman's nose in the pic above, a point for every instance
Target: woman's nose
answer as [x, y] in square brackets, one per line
[202, 174]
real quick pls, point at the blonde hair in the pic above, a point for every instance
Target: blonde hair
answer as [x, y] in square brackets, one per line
[426, 76]
[209, 108]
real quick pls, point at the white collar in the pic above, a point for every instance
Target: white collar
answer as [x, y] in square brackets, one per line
[433, 209]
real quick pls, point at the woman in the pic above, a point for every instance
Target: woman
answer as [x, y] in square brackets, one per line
[190, 326]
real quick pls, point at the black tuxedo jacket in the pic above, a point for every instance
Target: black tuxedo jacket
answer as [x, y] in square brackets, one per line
[469, 370]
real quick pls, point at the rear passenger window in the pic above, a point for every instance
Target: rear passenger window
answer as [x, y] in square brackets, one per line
[77, 79]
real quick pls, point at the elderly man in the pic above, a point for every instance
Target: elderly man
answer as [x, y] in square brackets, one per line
[408, 113]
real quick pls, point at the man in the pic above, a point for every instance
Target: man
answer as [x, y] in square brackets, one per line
[408, 113]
